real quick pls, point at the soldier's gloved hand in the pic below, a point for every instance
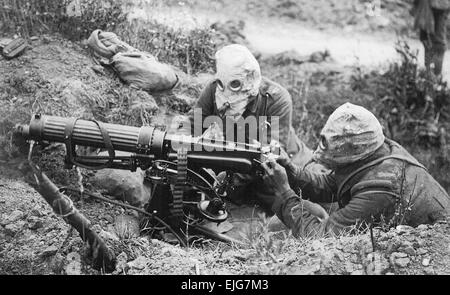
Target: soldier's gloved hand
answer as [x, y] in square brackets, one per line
[276, 176]
[292, 170]
[284, 159]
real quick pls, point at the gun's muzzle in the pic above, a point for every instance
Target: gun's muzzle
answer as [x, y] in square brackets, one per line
[22, 130]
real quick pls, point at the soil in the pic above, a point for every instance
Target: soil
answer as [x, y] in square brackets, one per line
[59, 77]
[33, 240]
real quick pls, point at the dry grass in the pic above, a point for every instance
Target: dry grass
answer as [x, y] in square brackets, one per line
[396, 97]
[191, 51]
[28, 18]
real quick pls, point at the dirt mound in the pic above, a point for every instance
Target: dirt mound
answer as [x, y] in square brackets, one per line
[55, 76]
[403, 250]
[30, 235]
[33, 240]
[59, 77]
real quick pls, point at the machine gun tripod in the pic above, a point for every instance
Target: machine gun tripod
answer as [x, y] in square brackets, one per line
[181, 168]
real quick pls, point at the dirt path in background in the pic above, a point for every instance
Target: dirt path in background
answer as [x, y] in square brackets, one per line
[275, 35]
[346, 49]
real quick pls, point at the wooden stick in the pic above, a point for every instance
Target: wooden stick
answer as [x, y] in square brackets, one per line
[103, 258]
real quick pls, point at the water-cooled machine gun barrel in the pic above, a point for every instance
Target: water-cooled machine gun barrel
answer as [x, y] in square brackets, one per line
[146, 144]
[182, 163]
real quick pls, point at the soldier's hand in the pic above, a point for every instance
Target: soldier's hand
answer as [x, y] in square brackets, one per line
[284, 158]
[276, 176]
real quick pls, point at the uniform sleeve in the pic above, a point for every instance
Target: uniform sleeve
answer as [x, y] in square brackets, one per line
[364, 207]
[317, 187]
[282, 109]
[206, 100]
[206, 104]
[299, 215]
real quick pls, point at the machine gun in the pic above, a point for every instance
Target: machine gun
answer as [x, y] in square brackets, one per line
[178, 166]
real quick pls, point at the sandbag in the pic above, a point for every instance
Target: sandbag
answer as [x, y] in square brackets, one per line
[142, 70]
[122, 184]
[107, 44]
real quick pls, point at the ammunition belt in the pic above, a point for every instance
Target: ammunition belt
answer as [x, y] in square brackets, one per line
[176, 209]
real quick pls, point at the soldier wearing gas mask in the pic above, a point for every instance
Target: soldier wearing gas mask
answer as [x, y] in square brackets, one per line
[373, 179]
[238, 92]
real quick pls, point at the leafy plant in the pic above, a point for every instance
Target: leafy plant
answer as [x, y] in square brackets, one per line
[266, 243]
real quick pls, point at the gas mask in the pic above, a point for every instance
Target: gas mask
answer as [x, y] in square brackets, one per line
[351, 133]
[238, 79]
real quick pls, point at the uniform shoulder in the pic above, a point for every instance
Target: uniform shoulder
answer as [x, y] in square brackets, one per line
[384, 176]
[399, 151]
[275, 90]
[387, 169]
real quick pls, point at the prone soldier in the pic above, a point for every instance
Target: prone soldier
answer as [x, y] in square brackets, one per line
[373, 179]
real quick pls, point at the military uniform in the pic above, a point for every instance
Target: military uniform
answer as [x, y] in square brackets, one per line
[390, 185]
[272, 100]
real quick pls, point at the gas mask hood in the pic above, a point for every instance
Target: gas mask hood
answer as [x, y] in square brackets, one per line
[238, 78]
[351, 133]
